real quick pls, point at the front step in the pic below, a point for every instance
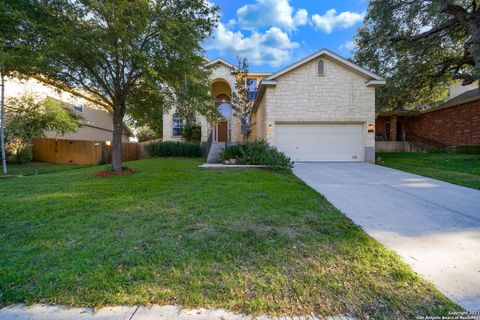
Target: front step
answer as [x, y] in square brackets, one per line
[215, 150]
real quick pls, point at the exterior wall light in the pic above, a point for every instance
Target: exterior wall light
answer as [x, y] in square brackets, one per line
[269, 127]
[371, 128]
[108, 143]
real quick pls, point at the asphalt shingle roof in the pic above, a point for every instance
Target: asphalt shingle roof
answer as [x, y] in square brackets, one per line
[467, 95]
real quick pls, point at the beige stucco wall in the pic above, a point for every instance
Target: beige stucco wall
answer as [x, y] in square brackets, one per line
[98, 123]
[98, 126]
[302, 96]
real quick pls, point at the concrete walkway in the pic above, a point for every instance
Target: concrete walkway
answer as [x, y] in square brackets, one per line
[43, 312]
[434, 226]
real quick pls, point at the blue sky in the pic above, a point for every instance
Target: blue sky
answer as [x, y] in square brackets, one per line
[275, 33]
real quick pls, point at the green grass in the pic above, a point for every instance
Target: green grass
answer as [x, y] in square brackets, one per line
[461, 169]
[253, 241]
[33, 168]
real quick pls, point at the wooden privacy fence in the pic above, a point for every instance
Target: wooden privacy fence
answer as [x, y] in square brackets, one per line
[81, 151]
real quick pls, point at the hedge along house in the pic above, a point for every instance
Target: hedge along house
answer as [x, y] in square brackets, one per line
[454, 122]
[321, 108]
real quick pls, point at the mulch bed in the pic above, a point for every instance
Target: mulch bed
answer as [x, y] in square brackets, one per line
[108, 173]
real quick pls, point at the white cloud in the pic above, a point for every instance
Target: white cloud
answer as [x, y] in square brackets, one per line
[348, 46]
[231, 23]
[301, 17]
[270, 48]
[271, 13]
[330, 20]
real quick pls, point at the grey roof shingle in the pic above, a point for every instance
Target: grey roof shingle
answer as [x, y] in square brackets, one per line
[467, 95]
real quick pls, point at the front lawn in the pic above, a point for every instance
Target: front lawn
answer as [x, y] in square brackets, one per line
[461, 169]
[254, 241]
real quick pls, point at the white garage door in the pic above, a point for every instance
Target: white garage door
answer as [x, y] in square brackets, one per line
[321, 142]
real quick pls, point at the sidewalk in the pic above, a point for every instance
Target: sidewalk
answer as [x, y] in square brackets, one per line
[44, 312]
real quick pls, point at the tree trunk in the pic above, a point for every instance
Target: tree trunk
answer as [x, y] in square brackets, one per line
[474, 43]
[118, 114]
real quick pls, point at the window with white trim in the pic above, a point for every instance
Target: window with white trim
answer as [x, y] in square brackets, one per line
[320, 68]
[178, 123]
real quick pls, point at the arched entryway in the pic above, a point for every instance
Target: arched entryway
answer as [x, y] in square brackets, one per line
[222, 92]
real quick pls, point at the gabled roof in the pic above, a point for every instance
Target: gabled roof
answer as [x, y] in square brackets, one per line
[218, 60]
[375, 80]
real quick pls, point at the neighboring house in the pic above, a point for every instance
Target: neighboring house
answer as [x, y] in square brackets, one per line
[454, 122]
[97, 124]
[321, 108]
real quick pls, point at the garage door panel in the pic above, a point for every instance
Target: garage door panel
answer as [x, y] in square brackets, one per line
[321, 142]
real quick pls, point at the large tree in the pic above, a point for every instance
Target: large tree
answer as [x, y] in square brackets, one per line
[120, 50]
[420, 46]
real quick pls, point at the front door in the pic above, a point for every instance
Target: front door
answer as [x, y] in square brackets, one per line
[222, 131]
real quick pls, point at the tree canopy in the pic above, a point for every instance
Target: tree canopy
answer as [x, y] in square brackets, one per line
[137, 54]
[420, 47]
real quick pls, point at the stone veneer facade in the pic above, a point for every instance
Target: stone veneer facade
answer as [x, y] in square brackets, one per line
[301, 96]
[220, 72]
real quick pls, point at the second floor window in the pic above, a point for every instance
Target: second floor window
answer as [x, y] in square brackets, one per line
[252, 89]
[177, 125]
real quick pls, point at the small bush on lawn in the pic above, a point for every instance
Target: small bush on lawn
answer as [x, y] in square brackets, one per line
[175, 149]
[468, 149]
[258, 153]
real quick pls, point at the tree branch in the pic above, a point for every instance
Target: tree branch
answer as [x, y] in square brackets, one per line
[425, 34]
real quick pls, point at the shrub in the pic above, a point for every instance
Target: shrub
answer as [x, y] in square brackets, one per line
[468, 149]
[19, 156]
[232, 152]
[258, 153]
[192, 133]
[175, 149]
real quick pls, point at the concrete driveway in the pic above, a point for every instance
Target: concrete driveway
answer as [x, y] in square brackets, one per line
[434, 226]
